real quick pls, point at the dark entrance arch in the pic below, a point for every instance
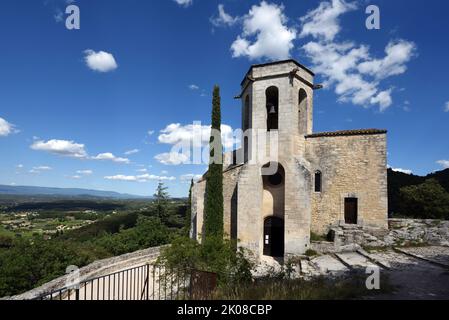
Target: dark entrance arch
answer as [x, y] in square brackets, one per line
[273, 237]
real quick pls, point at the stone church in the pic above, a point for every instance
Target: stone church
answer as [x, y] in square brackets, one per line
[320, 180]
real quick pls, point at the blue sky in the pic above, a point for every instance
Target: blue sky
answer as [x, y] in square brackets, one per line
[74, 103]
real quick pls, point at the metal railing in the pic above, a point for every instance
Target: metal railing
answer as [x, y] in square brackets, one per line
[146, 282]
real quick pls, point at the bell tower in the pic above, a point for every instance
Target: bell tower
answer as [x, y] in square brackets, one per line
[277, 101]
[278, 97]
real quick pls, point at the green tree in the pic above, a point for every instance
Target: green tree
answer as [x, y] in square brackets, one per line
[161, 200]
[213, 220]
[428, 200]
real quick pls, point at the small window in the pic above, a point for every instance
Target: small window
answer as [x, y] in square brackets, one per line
[276, 179]
[318, 182]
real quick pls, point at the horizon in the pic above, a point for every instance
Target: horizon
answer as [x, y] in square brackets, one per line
[102, 107]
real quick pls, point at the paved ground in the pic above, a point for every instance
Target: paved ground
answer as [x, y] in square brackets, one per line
[416, 279]
[413, 278]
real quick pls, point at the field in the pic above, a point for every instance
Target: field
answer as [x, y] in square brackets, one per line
[41, 236]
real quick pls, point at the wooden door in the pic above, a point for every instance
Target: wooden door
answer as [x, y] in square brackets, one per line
[351, 210]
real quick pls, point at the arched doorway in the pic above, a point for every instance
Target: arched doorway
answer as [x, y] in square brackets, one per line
[274, 237]
[274, 211]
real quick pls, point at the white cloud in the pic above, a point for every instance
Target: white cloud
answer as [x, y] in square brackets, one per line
[61, 147]
[38, 170]
[77, 177]
[58, 16]
[172, 158]
[111, 157]
[42, 168]
[383, 99]
[20, 166]
[194, 87]
[139, 178]
[184, 3]
[265, 34]
[190, 176]
[443, 163]
[347, 66]
[223, 18]
[100, 61]
[323, 22]
[133, 151]
[446, 107]
[143, 170]
[6, 128]
[194, 135]
[121, 177]
[398, 53]
[85, 172]
[406, 171]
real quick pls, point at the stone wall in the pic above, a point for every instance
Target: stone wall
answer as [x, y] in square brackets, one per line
[230, 178]
[351, 166]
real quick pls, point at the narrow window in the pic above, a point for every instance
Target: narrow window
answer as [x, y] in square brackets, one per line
[318, 182]
[246, 114]
[272, 99]
[302, 112]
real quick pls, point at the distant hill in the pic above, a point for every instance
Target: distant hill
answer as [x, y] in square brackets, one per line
[398, 180]
[70, 192]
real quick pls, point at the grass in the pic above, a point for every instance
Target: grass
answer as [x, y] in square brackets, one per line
[311, 253]
[317, 289]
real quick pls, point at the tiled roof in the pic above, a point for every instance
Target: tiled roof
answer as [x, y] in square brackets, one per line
[347, 133]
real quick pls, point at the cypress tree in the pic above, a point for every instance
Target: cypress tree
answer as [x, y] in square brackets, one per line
[161, 199]
[213, 208]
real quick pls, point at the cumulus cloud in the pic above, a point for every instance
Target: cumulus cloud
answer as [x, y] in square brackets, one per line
[406, 171]
[446, 108]
[139, 178]
[398, 53]
[108, 156]
[194, 87]
[6, 128]
[223, 18]
[195, 135]
[100, 61]
[61, 147]
[173, 158]
[265, 34]
[443, 163]
[184, 3]
[347, 66]
[323, 22]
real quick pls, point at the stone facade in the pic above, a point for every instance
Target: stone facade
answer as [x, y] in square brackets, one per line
[272, 201]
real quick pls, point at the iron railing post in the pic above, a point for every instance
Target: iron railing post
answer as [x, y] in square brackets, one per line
[148, 283]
